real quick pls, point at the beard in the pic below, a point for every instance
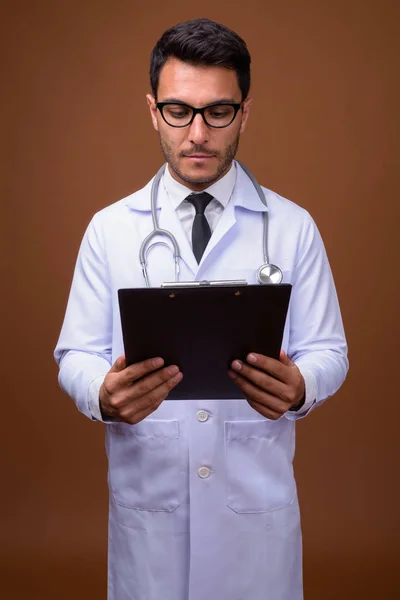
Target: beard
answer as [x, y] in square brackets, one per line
[224, 161]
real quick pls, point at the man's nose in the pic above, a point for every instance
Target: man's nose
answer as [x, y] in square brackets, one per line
[198, 131]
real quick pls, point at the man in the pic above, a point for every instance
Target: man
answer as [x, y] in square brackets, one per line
[203, 501]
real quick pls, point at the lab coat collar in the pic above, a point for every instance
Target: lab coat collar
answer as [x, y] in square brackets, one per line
[244, 195]
[221, 190]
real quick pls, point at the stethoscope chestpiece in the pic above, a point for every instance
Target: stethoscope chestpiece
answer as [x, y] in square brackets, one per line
[269, 274]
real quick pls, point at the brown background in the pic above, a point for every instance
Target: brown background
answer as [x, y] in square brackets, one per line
[76, 137]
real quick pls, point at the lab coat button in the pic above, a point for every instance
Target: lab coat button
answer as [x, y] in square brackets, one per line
[202, 415]
[203, 472]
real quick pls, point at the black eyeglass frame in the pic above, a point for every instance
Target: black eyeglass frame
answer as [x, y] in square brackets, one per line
[235, 105]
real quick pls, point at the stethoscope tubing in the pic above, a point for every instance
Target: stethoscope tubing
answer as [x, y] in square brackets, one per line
[145, 246]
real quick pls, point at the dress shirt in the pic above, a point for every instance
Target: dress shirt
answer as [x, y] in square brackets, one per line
[221, 191]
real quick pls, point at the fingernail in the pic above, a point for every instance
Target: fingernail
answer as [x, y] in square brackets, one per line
[237, 365]
[232, 375]
[158, 362]
[252, 358]
[172, 370]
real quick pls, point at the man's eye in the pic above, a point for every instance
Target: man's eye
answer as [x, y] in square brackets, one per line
[219, 114]
[178, 114]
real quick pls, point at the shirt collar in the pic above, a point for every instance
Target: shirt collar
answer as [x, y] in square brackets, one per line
[221, 190]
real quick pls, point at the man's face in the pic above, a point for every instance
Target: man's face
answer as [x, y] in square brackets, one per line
[198, 155]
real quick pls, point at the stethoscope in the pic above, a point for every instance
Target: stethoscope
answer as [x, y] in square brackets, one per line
[267, 273]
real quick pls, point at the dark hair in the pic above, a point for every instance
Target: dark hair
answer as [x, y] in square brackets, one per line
[202, 42]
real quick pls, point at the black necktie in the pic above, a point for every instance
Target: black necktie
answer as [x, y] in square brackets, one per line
[201, 231]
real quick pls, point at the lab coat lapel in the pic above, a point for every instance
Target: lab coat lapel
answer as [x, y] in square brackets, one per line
[245, 196]
[224, 225]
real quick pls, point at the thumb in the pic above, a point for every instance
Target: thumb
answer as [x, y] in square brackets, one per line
[119, 365]
[283, 358]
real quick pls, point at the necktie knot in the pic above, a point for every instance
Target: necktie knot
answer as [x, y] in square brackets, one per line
[200, 201]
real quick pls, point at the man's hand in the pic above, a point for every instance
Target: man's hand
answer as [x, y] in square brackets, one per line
[132, 393]
[271, 387]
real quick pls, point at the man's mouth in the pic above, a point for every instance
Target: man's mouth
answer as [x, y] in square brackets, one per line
[199, 155]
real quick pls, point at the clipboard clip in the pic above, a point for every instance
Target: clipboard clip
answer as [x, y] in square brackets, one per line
[204, 283]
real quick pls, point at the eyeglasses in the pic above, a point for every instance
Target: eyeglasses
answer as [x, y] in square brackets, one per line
[177, 114]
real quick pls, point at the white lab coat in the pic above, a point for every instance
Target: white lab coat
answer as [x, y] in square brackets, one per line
[173, 535]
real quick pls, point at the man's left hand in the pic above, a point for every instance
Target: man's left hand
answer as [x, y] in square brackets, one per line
[271, 387]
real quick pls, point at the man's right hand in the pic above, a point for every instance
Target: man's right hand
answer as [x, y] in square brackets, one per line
[132, 393]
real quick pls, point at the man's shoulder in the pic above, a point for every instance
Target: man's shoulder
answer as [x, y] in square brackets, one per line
[138, 200]
[281, 207]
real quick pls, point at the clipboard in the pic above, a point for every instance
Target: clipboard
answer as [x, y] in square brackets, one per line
[202, 329]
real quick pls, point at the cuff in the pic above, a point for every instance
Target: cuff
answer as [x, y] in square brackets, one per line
[311, 396]
[94, 404]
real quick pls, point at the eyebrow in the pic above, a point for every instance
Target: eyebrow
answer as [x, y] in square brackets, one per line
[219, 101]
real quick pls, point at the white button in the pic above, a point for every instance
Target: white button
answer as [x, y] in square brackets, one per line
[202, 415]
[203, 472]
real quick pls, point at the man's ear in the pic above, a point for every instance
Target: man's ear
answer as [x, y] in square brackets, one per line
[153, 110]
[245, 113]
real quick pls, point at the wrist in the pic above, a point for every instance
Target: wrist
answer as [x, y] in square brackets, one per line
[103, 404]
[299, 405]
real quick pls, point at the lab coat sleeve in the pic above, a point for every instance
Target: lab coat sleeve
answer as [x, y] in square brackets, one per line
[83, 351]
[317, 343]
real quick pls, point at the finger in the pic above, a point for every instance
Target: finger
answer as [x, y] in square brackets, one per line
[254, 394]
[260, 378]
[133, 391]
[269, 365]
[147, 404]
[158, 393]
[138, 370]
[284, 359]
[119, 365]
[152, 381]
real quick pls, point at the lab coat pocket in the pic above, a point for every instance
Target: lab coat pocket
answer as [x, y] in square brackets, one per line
[259, 469]
[144, 465]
